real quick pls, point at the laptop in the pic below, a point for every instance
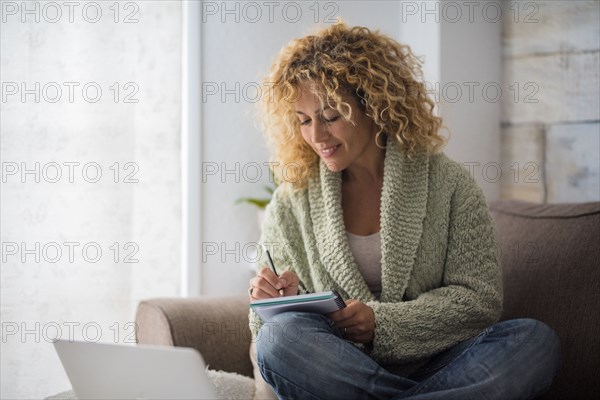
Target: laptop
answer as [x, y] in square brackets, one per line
[114, 371]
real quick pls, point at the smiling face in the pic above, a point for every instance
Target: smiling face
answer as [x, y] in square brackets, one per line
[340, 143]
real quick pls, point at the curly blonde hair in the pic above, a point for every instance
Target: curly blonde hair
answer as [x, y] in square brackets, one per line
[382, 74]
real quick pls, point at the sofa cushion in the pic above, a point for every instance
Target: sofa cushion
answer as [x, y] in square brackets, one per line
[550, 258]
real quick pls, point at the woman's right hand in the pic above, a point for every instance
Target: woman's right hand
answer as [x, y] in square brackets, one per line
[267, 285]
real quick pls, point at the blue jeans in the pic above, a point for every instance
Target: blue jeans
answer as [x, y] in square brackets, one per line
[304, 356]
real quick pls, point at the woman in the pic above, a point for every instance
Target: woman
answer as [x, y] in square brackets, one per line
[373, 209]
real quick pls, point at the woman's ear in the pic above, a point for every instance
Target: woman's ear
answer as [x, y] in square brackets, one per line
[361, 98]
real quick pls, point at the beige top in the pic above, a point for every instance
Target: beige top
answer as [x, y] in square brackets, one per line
[367, 254]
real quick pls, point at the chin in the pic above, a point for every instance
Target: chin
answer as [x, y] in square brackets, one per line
[333, 166]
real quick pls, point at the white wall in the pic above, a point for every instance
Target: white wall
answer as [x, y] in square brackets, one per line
[460, 43]
[37, 297]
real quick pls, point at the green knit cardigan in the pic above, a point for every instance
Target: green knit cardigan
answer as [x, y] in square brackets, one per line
[440, 274]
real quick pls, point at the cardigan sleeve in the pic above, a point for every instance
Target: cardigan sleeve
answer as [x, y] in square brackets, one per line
[275, 238]
[468, 301]
[269, 236]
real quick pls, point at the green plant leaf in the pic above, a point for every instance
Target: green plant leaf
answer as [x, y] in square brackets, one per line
[260, 203]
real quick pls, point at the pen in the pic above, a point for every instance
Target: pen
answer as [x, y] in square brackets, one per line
[272, 265]
[273, 268]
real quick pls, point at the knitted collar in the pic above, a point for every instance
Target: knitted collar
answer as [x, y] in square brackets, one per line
[403, 205]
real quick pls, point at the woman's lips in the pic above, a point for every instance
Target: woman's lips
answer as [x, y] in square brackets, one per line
[329, 151]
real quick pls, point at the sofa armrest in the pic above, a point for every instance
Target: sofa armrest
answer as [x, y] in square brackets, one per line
[215, 326]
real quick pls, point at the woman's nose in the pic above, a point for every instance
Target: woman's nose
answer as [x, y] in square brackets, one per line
[320, 131]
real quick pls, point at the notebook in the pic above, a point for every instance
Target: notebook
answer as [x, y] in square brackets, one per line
[116, 371]
[321, 303]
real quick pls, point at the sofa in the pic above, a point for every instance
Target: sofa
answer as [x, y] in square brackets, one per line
[550, 257]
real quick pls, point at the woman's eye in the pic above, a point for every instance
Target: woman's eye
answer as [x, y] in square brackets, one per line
[305, 122]
[332, 119]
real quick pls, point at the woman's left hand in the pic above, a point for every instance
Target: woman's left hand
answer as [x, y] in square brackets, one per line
[356, 321]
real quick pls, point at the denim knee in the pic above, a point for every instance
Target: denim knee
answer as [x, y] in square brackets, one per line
[286, 334]
[550, 342]
[538, 336]
[540, 344]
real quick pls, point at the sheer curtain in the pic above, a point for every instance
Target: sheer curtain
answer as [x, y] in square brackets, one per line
[91, 180]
